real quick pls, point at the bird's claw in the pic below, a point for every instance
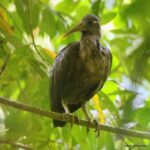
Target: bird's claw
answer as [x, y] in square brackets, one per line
[87, 128]
[76, 119]
[97, 129]
[73, 119]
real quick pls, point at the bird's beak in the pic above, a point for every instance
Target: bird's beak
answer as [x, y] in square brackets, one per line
[79, 27]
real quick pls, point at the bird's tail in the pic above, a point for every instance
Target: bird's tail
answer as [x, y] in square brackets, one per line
[58, 123]
[58, 109]
[56, 105]
[72, 108]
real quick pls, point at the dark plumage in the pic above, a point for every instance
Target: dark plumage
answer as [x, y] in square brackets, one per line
[80, 69]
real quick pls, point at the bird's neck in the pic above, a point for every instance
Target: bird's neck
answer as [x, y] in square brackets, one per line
[86, 35]
[89, 44]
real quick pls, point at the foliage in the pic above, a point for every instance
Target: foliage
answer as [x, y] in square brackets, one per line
[30, 35]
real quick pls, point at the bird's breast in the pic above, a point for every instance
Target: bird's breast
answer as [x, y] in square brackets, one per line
[91, 70]
[92, 60]
[87, 70]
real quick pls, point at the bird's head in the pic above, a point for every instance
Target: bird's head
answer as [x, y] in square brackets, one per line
[89, 24]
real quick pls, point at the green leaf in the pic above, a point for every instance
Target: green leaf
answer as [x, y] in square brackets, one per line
[108, 17]
[28, 14]
[67, 7]
[48, 23]
[108, 104]
[142, 116]
[96, 7]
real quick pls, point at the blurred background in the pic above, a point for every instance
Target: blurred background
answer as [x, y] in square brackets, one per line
[30, 38]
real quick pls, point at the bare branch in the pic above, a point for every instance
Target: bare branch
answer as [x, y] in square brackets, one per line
[67, 118]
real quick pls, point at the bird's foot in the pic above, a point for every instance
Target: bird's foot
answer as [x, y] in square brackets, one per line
[88, 125]
[66, 108]
[86, 115]
[73, 119]
[97, 129]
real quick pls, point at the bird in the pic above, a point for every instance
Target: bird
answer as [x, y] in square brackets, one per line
[79, 70]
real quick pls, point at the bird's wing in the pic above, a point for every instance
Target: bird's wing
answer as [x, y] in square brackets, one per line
[58, 76]
[108, 61]
[108, 58]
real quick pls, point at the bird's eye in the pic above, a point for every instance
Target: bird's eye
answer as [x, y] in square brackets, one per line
[95, 22]
[89, 22]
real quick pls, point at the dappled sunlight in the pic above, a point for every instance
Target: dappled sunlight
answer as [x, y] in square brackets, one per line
[31, 36]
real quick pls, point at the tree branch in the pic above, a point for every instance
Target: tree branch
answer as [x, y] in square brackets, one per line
[67, 118]
[15, 144]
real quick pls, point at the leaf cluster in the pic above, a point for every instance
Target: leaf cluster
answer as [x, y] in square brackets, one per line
[30, 38]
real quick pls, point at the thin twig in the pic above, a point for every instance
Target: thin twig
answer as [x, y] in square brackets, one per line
[32, 36]
[21, 90]
[3, 50]
[3, 67]
[74, 120]
[15, 144]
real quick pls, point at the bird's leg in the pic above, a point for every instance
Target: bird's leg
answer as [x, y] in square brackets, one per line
[85, 111]
[66, 108]
[89, 120]
[67, 111]
[86, 115]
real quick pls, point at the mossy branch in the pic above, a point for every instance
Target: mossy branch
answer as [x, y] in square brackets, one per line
[67, 118]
